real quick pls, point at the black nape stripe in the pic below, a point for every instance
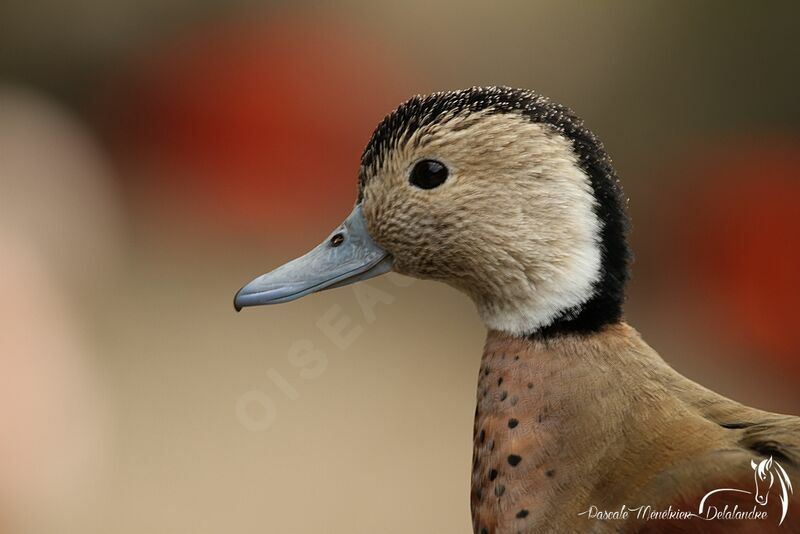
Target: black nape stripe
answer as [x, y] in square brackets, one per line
[421, 112]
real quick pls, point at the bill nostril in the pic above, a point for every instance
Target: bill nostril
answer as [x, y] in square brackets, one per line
[337, 239]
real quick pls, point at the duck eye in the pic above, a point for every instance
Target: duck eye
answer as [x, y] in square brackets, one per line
[428, 174]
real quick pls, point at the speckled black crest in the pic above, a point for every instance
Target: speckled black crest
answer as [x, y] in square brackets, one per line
[420, 112]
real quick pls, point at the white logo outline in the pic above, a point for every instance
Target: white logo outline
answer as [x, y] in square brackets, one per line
[765, 471]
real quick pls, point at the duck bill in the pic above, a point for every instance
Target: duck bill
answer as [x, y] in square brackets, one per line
[347, 256]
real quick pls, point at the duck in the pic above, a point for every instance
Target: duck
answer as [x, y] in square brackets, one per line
[580, 426]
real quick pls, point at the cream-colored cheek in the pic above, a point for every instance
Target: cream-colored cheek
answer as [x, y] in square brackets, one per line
[389, 224]
[417, 242]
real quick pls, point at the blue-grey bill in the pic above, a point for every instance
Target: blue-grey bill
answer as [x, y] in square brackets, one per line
[348, 255]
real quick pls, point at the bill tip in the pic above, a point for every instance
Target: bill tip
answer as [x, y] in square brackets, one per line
[236, 305]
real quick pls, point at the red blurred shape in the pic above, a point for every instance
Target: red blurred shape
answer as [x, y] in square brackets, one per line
[255, 122]
[741, 234]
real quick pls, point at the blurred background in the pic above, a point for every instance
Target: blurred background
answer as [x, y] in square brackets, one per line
[156, 155]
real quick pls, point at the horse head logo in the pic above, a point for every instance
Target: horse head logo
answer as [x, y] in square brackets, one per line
[764, 479]
[765, 474]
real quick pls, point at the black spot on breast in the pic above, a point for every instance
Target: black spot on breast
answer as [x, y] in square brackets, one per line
[503, 395]
[500, 381]
[530, 385]
[492, 474]
[499, 490]
[484, 531]
[486, 372]
[482, 436]
[550, 473]
[512, 423]
[514, 459]
[522, 514]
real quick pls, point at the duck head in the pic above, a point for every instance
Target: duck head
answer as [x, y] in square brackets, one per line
[497, 192]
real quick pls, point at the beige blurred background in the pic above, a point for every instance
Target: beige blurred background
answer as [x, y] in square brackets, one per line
[156, 155]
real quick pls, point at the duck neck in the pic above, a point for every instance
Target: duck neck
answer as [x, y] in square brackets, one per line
[543, 405]
[603, 307]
